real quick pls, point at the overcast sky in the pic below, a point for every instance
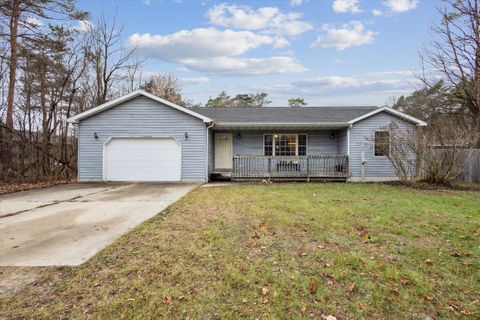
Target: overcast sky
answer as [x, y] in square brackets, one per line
[330, 52]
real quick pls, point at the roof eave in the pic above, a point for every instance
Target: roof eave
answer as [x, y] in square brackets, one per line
[274, 125]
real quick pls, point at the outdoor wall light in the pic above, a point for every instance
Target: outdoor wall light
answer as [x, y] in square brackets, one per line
[186, 135]
[239, 135]
[332, 135]
[95, 135]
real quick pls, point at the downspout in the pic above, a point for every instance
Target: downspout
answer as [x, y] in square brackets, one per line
[348, 150]
[206, 153]
[78, 149]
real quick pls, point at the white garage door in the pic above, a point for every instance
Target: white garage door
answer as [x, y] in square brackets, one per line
[143, 159]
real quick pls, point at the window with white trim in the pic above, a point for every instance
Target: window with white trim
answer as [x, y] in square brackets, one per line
[381, 144]
[280, 144]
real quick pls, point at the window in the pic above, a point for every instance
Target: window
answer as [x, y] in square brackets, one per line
[268, 145]
[381, 144]
[285, 144]
[302, 144]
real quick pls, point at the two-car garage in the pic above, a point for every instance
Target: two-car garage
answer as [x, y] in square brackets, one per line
[142, 159]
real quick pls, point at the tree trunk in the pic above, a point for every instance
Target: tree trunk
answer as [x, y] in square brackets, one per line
[476, 18]
[8, 137]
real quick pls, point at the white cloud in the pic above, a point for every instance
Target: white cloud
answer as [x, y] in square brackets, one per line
[351, 6]
[349, 35]
[199, 43]
[296, 2]
[266, 19]
[280, 42]
[83, 26]
[147, 2]
[373, 88]
[391, 74]
[192, 81]
[216, 51]
[377, 12]
[246, 66]
[332, 81]
[400, 6]
[389, 82]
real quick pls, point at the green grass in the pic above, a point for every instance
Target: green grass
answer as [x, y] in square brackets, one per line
[282, 251]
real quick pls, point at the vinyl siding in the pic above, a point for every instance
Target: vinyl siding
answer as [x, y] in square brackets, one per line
[251, 142]
[141, 116]
[211, 150]
[361, 140]
[342, 142]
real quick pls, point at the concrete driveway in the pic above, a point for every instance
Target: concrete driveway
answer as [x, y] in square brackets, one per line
[67, 224]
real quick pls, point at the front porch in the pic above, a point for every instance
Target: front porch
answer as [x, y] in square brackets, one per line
[321, 167]
[301, 155]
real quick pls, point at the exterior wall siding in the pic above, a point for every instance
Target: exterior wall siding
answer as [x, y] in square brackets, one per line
[342, 142]
[251, 142]
[141, 116]
[211, 150]
[361, 140]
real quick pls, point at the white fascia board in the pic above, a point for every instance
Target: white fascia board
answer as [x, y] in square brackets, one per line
[397, 113]
[129, 96]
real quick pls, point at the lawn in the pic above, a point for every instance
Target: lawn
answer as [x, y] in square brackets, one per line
[281, 251]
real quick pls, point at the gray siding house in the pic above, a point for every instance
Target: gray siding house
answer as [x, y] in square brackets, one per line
[141, 137]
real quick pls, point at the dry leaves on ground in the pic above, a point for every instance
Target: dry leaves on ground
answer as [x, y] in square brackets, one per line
[15, 187]
[312, 286]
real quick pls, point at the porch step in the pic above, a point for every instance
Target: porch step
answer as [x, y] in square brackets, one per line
[220, 175]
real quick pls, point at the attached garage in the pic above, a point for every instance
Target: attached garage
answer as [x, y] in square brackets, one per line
[141, 137]
[142, 159]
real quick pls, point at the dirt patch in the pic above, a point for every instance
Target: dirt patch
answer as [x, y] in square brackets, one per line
[14, 279]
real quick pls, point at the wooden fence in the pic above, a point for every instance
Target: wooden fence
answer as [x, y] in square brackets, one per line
[471, 159]
[471, 171]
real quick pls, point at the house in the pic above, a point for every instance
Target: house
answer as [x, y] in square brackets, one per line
[141, 137]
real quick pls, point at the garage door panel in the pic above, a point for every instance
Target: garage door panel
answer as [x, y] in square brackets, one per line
[143, 159]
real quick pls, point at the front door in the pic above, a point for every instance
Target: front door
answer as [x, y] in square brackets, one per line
[223, 151]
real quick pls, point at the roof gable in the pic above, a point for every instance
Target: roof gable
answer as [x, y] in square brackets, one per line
[393, 112]
[129, 96]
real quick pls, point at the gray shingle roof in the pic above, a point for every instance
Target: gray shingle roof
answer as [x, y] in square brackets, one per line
[283, 114]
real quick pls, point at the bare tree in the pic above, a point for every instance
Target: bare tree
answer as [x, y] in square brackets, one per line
[50, 72]
[52, 69]
[134, 73]
[455, 52]
[164, 86]
[18, 16]
[399, 144]
[414, 157]
[110, 59]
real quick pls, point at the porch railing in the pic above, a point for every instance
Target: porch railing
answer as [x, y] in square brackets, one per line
[290, 167]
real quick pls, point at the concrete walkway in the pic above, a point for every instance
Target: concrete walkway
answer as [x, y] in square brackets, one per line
[67, 224]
